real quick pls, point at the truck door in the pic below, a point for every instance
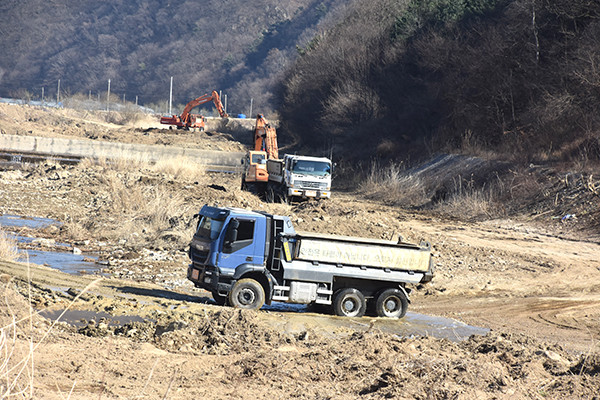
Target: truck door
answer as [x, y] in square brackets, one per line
[238, 245]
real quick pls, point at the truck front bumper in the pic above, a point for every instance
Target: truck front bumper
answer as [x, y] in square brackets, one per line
[309, 193]
[207, 277]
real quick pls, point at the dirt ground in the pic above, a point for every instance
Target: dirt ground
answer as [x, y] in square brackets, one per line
[535, 283]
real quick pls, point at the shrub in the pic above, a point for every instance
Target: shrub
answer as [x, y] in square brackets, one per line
[8, 247]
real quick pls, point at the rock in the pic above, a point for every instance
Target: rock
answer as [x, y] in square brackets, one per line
[186, 348]
[76, 250]
[175, 325]
[44, 242]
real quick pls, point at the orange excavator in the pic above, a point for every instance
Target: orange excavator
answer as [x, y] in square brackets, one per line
[255, 175]
[194, 121]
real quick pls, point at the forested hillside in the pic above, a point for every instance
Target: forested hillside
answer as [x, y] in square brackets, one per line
[514, 78]
[357, 78]
[238, 47]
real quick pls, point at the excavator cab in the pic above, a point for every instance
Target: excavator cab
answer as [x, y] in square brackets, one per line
[255, 176]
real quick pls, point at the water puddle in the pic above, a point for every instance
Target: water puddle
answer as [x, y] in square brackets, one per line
[412, 325]
[81, 318]
[65, 261]
[26, 222]
[415, 325]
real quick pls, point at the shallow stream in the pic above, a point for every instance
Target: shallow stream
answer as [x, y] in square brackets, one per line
[65, 261]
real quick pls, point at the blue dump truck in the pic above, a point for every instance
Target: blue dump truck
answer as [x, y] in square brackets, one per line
[249, 258]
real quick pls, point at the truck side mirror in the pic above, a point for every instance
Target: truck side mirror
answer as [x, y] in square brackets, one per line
[242, 161]
[232, 231]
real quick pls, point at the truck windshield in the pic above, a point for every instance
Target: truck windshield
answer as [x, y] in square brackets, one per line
[209, 228]
[309, 167]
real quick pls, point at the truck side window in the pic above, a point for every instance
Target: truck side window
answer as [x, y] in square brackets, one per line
[245, 236]
[245, 231]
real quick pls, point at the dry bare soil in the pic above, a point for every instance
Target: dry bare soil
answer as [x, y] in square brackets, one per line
[534, 284]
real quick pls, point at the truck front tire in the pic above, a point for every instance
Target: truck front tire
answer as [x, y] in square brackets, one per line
[349, 302]
[391, 303]
[248, 294]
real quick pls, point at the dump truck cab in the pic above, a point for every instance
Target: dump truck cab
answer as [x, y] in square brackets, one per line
[228, 244]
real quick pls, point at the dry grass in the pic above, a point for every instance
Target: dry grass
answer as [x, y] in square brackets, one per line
[470, 203]
[19, 341]
[117, 163]
[138, 207]
[180, 168]
[393, 185]
[175, 168]
[137, 201]
[8, 247]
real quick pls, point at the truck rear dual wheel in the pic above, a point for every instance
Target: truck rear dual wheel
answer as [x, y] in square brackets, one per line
[248, 294]
[391, 303]
[349, 302]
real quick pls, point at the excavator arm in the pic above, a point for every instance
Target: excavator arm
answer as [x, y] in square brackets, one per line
[265, 138]
[186, 119]
[214, 96]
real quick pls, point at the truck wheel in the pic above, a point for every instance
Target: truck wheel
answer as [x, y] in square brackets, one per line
[349, 302]
[247, 293]
[219, 298]
[391, 303]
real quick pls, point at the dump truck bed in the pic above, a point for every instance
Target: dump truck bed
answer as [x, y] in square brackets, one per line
[346, 250]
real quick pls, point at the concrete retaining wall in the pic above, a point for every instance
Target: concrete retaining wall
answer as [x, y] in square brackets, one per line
[76, 148]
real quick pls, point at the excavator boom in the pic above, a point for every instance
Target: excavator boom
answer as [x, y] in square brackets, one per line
[265, 138]
[187, 120]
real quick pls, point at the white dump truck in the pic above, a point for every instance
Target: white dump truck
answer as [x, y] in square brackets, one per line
[248, 258]
[298, 177]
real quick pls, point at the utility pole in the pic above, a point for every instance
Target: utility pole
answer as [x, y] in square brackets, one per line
[250, 113]
[42, 95]
[171, 97]
[58, 93]
[225, 105]
[108, 97]
[136, 98]
[90, 95]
